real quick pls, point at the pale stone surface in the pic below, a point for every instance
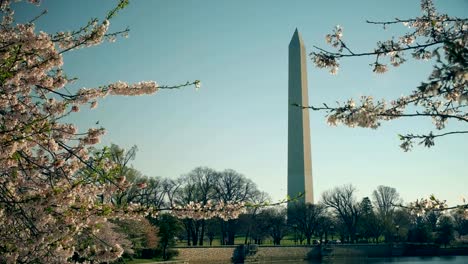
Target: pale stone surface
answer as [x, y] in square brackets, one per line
[299, 157]
[224, 254]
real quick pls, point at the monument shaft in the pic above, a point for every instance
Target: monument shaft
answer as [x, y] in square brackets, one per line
[299, 156]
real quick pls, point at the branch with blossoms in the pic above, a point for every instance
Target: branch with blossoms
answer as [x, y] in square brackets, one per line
[221, 209]
[369, 114]
[443, 97]
[423, 206]
[426, 140]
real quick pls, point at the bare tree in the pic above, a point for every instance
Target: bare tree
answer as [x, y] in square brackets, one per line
[171, 187]
[196, 186]
[153, 193]
[275, 219]
[342, 200]
[385, 199]
[232, 186]
[205, 180]
[305, 218]
[252, 212]
[325, 227]
[185, 194]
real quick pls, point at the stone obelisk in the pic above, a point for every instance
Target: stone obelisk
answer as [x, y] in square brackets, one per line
[299, 157]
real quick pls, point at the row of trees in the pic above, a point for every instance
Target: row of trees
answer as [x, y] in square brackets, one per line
[205, 185]
[339, 215]
[202, 187]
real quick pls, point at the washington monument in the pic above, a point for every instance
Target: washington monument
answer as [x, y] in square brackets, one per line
[299, 159]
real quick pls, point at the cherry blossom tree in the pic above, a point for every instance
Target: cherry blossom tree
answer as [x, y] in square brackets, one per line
[45, 204]
[100, 247]
[443, 97]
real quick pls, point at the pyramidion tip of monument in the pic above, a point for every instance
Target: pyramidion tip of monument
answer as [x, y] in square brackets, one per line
[296, 38]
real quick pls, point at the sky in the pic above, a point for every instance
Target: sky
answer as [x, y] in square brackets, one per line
[238, 119]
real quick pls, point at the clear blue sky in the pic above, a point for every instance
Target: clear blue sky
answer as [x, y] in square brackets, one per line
[238, 119]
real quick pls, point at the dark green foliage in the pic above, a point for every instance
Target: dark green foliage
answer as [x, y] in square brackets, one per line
[460, 222]
[169, 226]
[325, 227]
[420, 233]
[399, 225]
[445, 230]
[370, 226]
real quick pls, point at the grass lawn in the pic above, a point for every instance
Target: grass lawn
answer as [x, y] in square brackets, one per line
[286, 241]
[138, 261]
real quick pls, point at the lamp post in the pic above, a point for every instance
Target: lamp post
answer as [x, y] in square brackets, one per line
[331, 231]
[397, 235]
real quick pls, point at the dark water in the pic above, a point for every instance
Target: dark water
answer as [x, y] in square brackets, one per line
[403, 260]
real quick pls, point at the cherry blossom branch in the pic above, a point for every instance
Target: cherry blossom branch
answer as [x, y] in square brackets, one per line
[427, 140]
[90, 37]
[400, 21]
[385, 113]
[121, 5]
[383, 52]
[38, 16]
[444, 97]
[435, 135]
[425, 205]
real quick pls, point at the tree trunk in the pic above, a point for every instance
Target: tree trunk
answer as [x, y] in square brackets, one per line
[247, 234]
[164, 251]
[223, 232]
[188, 230]
[230, 232]
[195, 233]
[194, 237]
[231, 238]
[202, 233]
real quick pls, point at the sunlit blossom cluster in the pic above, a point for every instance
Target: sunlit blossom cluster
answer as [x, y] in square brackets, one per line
[444, 96]
[367, 114]
[424, 205]
[225, 211]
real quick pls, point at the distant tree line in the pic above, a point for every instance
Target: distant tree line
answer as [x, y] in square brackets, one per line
[156, 234]
[339, 217]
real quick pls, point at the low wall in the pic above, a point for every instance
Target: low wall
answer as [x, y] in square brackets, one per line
[220, 254]
[241, 253]
[358, 250]
[254, 253]
[291, 253]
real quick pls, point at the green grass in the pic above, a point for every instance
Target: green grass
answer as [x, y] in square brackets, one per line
[286, 241]
[138, 261]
